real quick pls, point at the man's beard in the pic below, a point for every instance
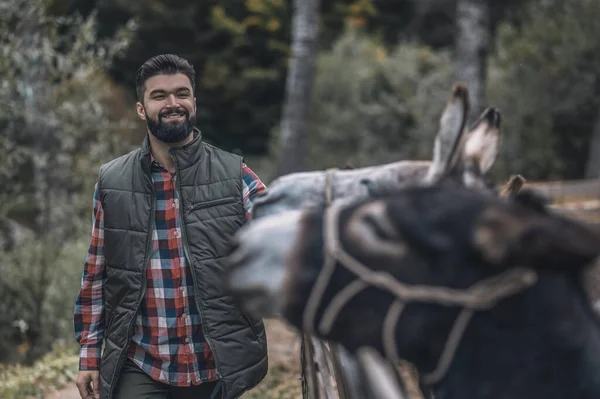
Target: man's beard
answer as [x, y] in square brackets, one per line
[171, 131]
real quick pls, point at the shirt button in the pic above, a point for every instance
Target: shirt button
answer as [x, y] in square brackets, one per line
[182, 288]
[183, 316]
[176, 233]
[174, 205]
[187, 340]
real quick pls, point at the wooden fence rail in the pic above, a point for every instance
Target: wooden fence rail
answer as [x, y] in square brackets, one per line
[579, 199]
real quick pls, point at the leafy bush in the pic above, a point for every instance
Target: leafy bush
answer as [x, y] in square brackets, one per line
[60, 118]
[53, 371]
[375, 105]
[543, 76]
[38, 298]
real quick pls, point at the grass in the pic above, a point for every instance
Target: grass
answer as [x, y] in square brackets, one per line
[53, 371]
[280, 383]
[59, 369]
[282, 380]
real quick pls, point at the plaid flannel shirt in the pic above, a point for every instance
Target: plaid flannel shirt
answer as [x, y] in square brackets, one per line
[160, 345]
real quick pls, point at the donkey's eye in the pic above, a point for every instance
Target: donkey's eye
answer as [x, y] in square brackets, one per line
[370, 232]
[373, 222]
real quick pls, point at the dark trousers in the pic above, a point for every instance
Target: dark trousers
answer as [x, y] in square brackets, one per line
[135, 384]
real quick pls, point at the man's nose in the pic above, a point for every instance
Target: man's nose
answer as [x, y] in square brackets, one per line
[172, 101]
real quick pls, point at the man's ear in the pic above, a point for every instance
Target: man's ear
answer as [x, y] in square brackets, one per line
[139, 107]
[515, 236]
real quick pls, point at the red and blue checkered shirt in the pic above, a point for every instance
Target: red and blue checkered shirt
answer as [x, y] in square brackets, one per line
[160, 345]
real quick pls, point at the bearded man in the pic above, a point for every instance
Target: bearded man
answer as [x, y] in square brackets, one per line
[151, 293]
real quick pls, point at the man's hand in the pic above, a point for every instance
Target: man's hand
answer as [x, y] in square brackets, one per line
[88, 384]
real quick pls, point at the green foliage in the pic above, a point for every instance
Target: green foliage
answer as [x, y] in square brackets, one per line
[241, 50]
[280, 383]
[38, 296]
[543, 76]
[237, 47]
[241, 87]
[373, 105]
[51, 372]
[377, 105]
[57, 126]
[51, 75]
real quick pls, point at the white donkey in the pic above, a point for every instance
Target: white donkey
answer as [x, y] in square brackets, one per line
[464, 155]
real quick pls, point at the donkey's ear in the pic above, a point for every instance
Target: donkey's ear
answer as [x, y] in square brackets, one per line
[483, 141]
[371, 230]
[513, 186]
[447, 141]
[514, 235]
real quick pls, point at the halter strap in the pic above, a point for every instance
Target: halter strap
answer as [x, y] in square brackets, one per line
[328, 268]
[329, 186]
[482, 295]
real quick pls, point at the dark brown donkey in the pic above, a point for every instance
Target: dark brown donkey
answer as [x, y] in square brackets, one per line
[484, 296]
[464, 155]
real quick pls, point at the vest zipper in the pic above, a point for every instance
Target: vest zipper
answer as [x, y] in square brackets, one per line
[194, 277]
[141, 296]
[206, 204]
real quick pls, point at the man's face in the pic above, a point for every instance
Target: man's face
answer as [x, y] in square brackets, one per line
[169, 107]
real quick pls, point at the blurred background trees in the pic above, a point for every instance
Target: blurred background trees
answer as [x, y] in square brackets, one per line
[60, 116]
[382, 73]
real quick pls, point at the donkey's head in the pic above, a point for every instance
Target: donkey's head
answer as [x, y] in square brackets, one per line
[355, 272]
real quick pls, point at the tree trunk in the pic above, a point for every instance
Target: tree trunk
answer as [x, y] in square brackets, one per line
[299, 87]
[472, 47]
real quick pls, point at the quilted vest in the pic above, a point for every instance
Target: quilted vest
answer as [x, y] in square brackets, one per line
[209, 182]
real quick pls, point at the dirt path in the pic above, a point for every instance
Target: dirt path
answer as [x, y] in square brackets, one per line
[284, 367]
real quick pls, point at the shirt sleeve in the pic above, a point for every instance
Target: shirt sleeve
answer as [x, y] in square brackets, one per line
[252, 188]
[89, 306]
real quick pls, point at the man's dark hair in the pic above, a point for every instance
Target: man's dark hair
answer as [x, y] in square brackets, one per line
[163, 64]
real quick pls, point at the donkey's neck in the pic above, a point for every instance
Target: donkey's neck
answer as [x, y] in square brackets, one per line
[544, 343]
